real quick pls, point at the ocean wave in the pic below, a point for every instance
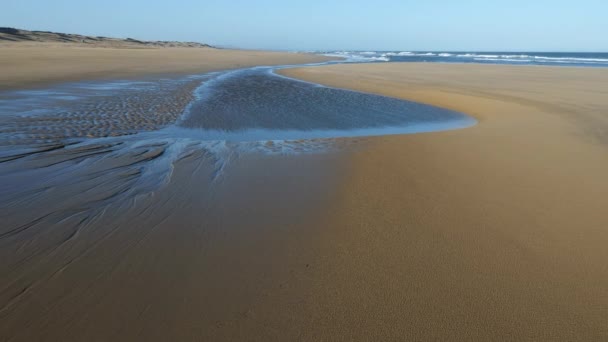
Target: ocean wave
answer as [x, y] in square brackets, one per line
[515, 56]
[575, 59]
[474, 55]
[402, 53]
[571, 62]
[358, 56]
[504, 57]
[411, 54]
[503, 60]
[530, 58]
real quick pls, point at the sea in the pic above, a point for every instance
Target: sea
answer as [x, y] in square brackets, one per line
[582, 59]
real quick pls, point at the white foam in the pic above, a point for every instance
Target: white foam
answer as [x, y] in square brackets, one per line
[515, 56]
[577, 59]
[384, 59]
[503, 60]
[474, 55]
[373, 56]
[358, 57]
[531, 58]
[568, 62]
[403, 53]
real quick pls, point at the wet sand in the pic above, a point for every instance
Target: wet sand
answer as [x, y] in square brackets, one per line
[110, 235]
[27, 65]
[495, 232]
[129, 237]
[118, 256]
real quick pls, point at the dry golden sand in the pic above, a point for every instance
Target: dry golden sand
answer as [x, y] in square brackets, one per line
[37, 64]
[495, 232]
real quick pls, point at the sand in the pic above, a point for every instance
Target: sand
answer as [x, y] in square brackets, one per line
[26, 65]
[113, 256]
[495, 232]
[124, 111]
[137, 238]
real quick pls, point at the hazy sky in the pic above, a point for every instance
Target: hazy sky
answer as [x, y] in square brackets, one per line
[541, 25]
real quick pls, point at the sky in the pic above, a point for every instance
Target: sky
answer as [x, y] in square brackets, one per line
[400, 25]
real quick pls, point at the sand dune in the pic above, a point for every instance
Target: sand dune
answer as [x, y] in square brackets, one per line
[13, 35]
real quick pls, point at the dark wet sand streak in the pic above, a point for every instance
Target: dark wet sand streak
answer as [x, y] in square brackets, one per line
[136, 268]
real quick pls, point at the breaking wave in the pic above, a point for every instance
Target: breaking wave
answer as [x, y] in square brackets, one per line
[532, 58]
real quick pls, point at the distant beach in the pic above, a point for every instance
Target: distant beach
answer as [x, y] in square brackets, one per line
[40, 64]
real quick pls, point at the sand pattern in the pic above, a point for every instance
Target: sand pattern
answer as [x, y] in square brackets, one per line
[127, 111]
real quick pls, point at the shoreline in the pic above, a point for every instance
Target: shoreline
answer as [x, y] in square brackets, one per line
[44, 64]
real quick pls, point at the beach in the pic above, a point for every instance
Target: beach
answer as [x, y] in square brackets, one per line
[495, 232]
[491, 232]
[135, 238]
[27, 65]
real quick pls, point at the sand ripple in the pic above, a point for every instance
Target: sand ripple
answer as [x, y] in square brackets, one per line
[125, 112]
